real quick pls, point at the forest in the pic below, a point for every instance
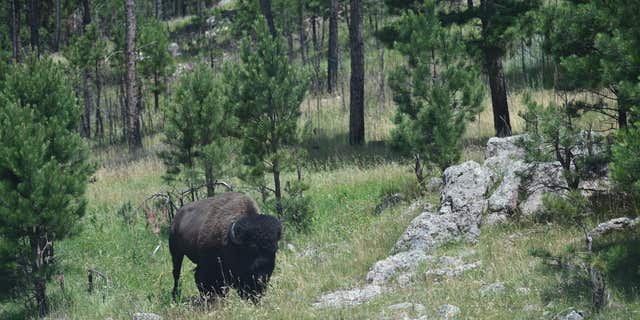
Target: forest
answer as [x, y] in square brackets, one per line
[422, 158]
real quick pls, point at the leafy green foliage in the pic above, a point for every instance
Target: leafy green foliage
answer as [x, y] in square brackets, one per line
[596, 43]
[437, 93]
[266, 93]
[156, 63]
[198, 127]
[625, 168]
[555, 133]
[44, 169]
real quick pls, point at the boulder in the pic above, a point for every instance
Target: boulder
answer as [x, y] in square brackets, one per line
[448, 311]
[382, 271]
[537, 179]
[494, 288]
[174, 49]
[573, 315]
[145, 316]
[613, 226]
[505, 147]
[463, 196]
[427, 232]
[346, 298]
[452, 267]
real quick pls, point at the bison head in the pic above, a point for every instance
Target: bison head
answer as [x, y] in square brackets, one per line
[254, 242]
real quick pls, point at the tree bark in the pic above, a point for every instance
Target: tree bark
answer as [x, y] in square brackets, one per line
[34, 17]
[332, 61]
[133, 113]
[86, 92]
[159, 9]
[303, 32]
[356, 102]
[501, 120]
[56, 40]
[99, 118]
[14, 7]
[266, 11]
[278, 189]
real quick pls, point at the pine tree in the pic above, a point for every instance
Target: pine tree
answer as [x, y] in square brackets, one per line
[156, 63]
[267, 93]
[44, 171]
[437, 92]
[498, 20]
[198, 131]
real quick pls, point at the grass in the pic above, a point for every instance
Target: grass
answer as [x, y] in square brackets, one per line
[345, 240]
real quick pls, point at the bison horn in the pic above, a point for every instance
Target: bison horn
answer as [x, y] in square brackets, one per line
[232, 234]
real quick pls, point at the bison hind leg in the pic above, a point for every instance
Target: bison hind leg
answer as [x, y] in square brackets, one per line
[177, 265]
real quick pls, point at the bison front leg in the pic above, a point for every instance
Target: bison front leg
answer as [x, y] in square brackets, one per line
[210, 282]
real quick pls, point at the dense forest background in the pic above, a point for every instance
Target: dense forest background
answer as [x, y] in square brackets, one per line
[116, 113]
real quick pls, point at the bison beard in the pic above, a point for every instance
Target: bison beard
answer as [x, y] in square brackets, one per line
[231, 243]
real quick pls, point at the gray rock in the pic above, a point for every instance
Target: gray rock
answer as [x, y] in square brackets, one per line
[434, 184]
[174, 49]
[504, 199]
[507, 146]
[540, 178]
[573, 315]
[452, 267]
[494, 288]
[448, 311]
[145, 316]
[346, 298]
[613, 225]
[427, 232]
[463, 196]
[388, 202]
[382, 271]
[531, 307]
[494, 219]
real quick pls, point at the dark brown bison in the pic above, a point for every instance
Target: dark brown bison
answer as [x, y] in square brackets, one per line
[231, 243]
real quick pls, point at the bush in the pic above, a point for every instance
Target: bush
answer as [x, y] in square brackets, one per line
[44, 171]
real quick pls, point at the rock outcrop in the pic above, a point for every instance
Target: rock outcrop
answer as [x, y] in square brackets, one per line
[470, 194]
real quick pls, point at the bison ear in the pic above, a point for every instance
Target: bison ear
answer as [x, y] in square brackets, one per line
[233, 236]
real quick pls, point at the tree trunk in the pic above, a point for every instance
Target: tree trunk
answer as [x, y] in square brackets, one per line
[470, 4]
[86, 92]
[156, 92]
[314, 33]
[86, 95]
[356, 102]
[501, 121]
[278, 189]
[208, 179]
[303, 32]
[159, 9]
[99, 121]
[56, 40]
[266, 11]
[42, 254]
[133, 113]
[34, 24]
[332, 61]
[15, 28]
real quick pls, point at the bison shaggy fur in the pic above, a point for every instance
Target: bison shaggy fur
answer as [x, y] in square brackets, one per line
[231, 243]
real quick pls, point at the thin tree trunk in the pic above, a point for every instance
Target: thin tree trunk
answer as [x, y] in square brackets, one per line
[156, 92]
[314, 33]
[332, 61]
[470, 4]
[303, 32]
[209, 181]
[99, 118]
[86, 91]
[34, 24]
[356, 103]
[501, 120]
[278, 189]
[56, 42]
[133, 113]
[159, 9]
[266, 11]
[15, 28]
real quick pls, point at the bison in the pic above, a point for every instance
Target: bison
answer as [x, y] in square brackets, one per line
[231, 243]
